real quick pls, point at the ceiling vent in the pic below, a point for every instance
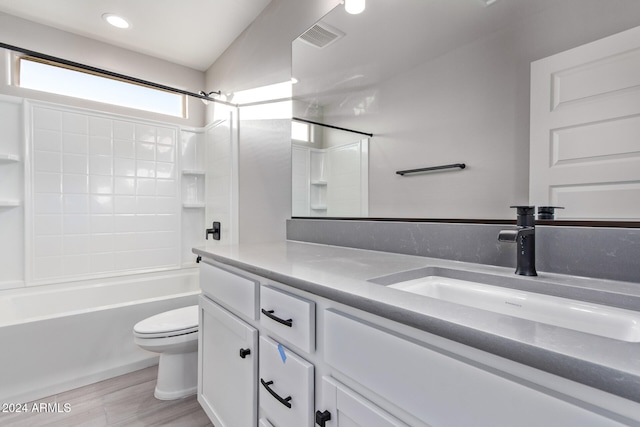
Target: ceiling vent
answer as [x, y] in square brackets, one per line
[321, 35]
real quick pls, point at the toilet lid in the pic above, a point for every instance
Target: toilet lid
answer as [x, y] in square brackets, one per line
[175, 322]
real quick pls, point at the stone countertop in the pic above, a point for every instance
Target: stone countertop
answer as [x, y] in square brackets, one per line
[342, 274]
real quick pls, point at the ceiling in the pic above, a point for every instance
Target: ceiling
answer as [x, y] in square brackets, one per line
[193, 33]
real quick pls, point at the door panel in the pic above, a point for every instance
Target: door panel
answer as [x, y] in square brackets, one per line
[585, 130]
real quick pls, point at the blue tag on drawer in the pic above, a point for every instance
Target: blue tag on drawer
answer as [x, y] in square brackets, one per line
[282, 354]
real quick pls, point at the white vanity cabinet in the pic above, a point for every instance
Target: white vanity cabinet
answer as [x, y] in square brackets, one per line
[228, 348]
[364, 370]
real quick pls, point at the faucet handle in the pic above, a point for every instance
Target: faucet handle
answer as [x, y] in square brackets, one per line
[524, 210]
[547, 212]
[525, 215]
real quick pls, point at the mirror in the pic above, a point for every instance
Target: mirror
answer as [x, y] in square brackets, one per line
[330, 172]
[441, 82]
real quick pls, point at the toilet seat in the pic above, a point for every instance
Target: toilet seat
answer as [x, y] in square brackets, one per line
[172, 323]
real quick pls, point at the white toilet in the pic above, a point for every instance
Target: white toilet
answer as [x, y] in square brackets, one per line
[173, 334]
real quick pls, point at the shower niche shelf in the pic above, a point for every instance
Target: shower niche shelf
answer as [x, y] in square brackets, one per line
[9, 158]
[193, 190]
[190, 205]
[193, 172]
[9, 203]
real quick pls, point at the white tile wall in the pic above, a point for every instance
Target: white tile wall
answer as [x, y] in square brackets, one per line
[104, 192]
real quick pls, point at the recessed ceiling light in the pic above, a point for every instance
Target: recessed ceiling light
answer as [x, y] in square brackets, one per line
[354, 7]
[115, 20]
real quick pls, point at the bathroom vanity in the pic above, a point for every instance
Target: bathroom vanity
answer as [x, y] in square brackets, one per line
[296, 335]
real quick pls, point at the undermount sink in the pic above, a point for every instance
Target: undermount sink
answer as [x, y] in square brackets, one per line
[606, 321]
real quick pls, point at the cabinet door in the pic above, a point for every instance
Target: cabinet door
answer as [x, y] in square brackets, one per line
[227, 367]
[346, 408]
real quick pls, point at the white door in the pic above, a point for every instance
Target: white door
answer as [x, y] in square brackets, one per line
[585, 130]
[345, 408]
[227, 367]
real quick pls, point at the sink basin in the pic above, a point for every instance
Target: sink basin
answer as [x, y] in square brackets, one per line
[606, 321]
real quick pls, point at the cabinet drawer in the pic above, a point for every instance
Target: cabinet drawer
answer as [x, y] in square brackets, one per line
[234, 291]
[438, 388]
[289, 316]
[286, 386]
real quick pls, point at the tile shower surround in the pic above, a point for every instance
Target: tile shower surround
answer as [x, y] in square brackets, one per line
[105, 194]
[604, 253]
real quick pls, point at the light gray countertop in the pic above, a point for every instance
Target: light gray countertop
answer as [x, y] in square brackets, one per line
[342, 274]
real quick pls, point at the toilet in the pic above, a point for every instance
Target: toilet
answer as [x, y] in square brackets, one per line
[173, 334]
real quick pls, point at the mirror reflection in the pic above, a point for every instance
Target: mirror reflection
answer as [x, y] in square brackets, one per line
[330, 172]
[439, 82]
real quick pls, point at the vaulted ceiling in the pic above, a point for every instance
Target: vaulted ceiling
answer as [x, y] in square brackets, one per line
[193, 33]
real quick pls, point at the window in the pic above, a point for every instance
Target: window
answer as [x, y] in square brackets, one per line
[301, 131]
[59, 79]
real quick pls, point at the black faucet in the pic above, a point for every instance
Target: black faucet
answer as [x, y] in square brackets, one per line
[525, 238]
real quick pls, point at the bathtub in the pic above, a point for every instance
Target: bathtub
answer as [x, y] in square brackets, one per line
[59, 337]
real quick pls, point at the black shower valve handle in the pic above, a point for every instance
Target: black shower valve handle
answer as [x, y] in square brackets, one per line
[215, 231]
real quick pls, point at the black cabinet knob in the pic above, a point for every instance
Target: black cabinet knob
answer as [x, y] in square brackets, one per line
[244, 352]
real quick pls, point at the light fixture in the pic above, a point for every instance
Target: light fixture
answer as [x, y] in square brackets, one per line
[115, 20]
[354, 6]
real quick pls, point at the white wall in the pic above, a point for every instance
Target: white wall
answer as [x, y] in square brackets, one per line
[259, 57]
[265, 179]
[40, 38]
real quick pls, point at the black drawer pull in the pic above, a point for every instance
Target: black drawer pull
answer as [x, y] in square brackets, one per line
[244, 352]
[284, 401]
[271, 316]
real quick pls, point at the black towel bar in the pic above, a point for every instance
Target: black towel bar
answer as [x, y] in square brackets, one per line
[432, 168]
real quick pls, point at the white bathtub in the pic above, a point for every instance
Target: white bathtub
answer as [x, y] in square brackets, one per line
[60, 337]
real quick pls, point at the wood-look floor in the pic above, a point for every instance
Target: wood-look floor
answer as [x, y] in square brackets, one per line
[124, 401]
